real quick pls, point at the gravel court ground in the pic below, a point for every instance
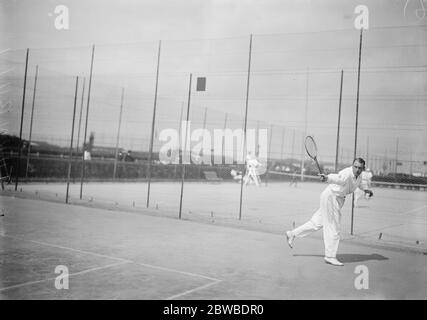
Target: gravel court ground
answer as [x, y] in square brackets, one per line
[393, 216]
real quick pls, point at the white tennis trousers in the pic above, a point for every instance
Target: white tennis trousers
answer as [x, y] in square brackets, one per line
[327, 216]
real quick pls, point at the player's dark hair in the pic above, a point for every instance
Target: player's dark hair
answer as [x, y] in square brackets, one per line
[361, 161]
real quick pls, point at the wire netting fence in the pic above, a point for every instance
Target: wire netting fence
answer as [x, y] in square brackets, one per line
[290, 84]
[294, 91]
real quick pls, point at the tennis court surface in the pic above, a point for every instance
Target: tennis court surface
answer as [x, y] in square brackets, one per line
[113, 251]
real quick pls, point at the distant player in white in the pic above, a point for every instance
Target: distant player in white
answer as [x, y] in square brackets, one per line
[328, 215]
[366, 184]
[294, 179]
[252, 165]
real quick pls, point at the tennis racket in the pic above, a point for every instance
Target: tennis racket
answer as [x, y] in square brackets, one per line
[311, 148]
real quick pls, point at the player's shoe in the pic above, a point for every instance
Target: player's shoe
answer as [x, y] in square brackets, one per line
[290, 238]
[333, 261]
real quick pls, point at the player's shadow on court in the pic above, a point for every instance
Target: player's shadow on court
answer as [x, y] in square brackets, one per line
[350, 257]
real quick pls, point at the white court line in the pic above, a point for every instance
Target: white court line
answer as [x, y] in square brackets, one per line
[4, 51]
[115, 258]
[414, 210]
[176, 271]
[3, 72]
[192, 290]
[67, 248]
[71, 274]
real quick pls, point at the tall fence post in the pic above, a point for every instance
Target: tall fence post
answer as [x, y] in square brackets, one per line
[87, 116]
[245, 126]
[71, 143]
[80, 115]
[339, 123]
[153, 123]
[116, 153]
[356, 124]
[31, 122]
[184, 148]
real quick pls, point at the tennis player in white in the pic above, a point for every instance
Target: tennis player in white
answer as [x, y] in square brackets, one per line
[328, 215]
[252, 165]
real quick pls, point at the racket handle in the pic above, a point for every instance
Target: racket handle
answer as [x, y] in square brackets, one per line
[318, 166]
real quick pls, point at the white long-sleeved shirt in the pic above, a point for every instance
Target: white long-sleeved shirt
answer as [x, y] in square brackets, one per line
[344, 182]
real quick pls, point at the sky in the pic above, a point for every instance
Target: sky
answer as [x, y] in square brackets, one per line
[31, 23]
[298, 50]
